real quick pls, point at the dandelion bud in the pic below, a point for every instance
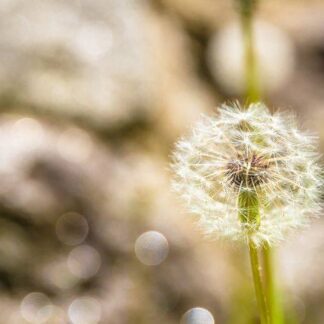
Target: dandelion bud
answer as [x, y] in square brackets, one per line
[248, 174]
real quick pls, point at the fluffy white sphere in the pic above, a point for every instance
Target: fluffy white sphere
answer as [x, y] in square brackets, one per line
[248, 150]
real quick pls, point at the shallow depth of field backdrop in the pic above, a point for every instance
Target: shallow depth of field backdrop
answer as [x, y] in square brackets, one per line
[93, 95]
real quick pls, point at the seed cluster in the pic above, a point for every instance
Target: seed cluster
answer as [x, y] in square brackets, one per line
[247, 172]
[248, 151]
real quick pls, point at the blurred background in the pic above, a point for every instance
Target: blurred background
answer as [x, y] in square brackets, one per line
[93, 95]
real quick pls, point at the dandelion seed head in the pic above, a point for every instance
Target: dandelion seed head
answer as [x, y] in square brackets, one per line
[249, 150]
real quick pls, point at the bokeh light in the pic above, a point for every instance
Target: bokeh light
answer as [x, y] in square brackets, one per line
[197, 315]
[36, 308]
[28, 131]
[84, 261]
[85, 310]
[151, 248]
[72, 228]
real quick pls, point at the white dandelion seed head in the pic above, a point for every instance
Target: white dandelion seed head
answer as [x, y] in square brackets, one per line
[249, 150]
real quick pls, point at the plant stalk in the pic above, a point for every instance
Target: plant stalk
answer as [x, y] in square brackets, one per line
[267, 296]
[252, 84]
[253, 94]
[249, 216]
[259, 290]
[273, 294]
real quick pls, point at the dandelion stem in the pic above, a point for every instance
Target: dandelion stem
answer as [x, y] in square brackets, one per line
[249, 215]
[273, 295]
[253, 91]
[253, 94]
[259, 290]
[249, 209]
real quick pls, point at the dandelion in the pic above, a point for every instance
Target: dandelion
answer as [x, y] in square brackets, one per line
[249, 174]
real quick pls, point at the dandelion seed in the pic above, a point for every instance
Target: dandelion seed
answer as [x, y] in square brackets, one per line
[249, 158]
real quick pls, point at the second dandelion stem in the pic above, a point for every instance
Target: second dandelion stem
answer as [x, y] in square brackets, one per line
[253, 91]
[259, 289]
[273, 293]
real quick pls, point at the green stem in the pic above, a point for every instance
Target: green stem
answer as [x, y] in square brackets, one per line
[259, 291]
[249, 216]
[249, 205]
[253, 91]
[273, 295]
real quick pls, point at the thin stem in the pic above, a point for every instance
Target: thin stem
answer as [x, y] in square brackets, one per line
[249, 215]
[272, 313]
[273, 295]
[259, 291]
[253, 91]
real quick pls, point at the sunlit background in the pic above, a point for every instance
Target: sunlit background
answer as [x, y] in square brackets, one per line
[93, 95]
